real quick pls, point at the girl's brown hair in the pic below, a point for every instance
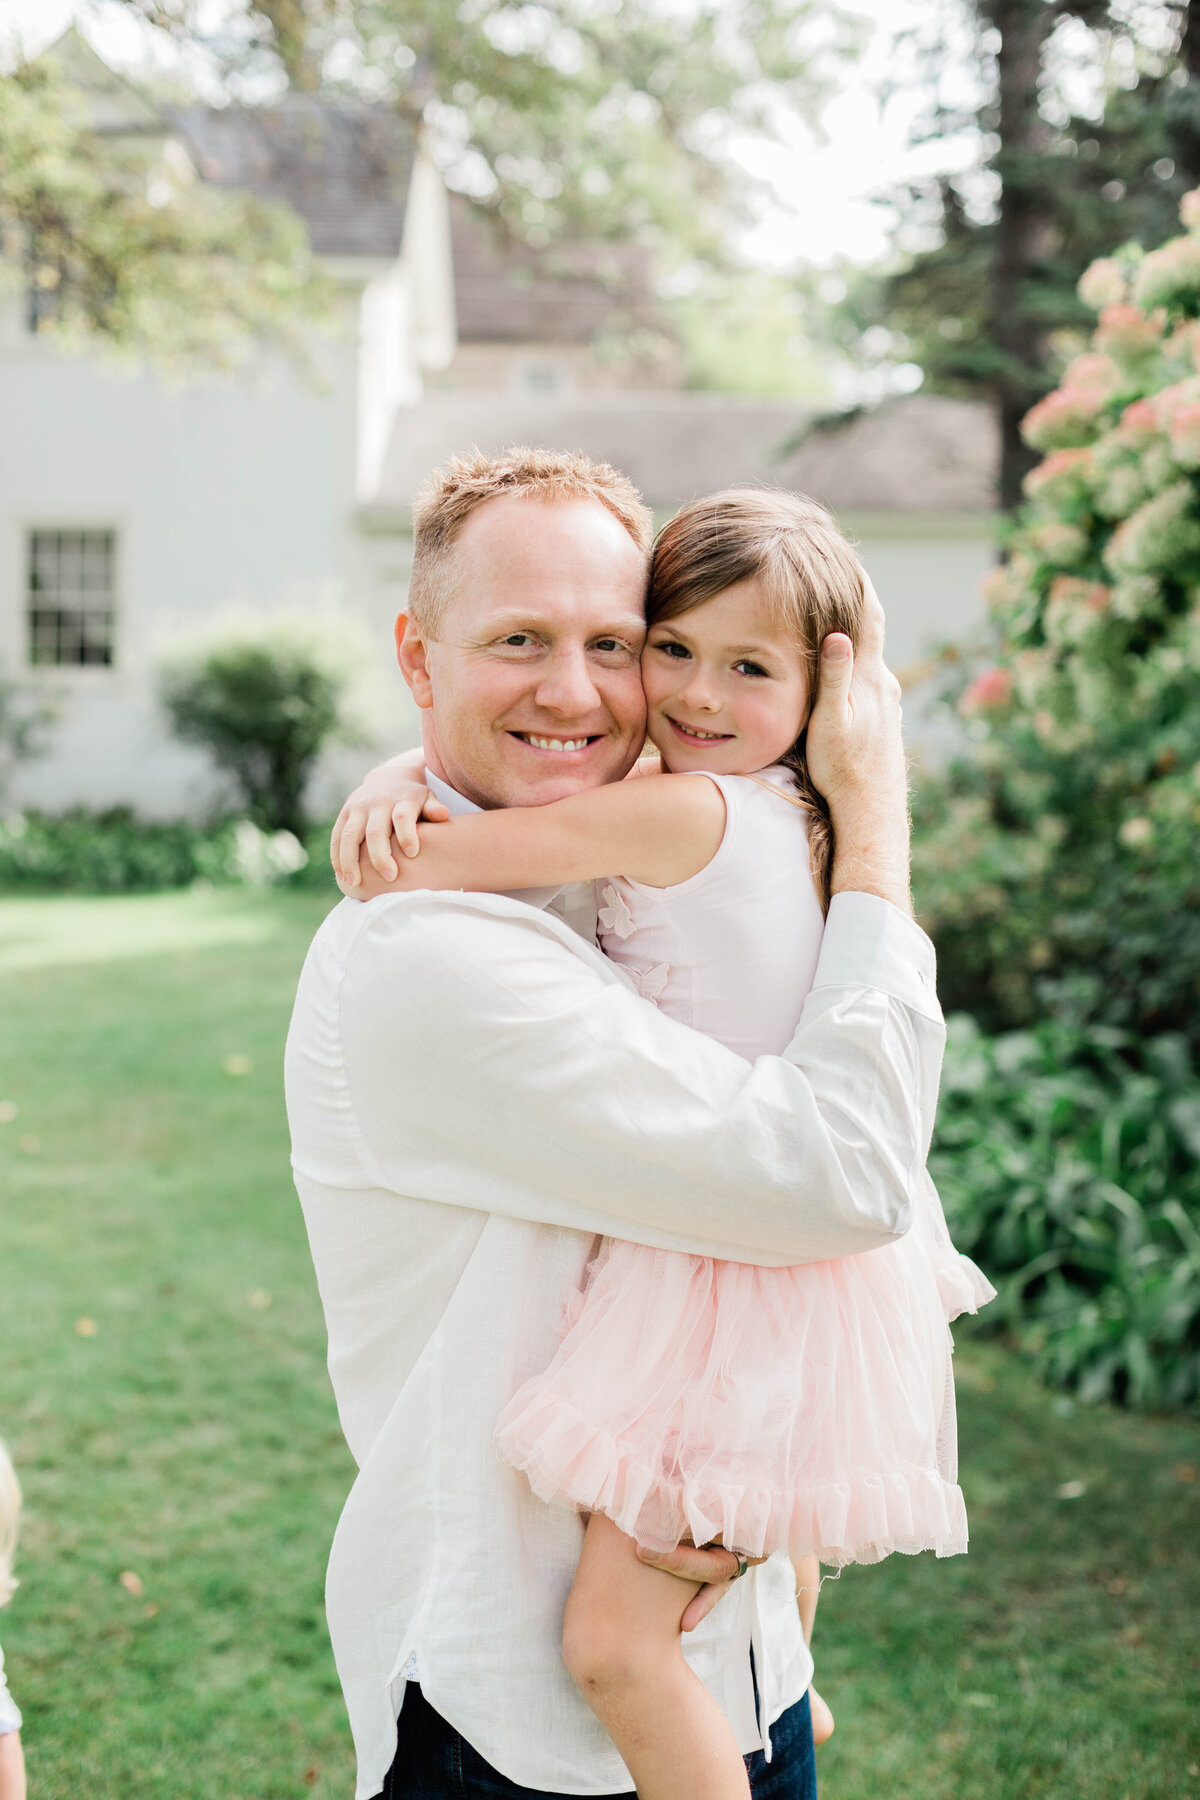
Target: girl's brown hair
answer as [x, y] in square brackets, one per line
[808, 574]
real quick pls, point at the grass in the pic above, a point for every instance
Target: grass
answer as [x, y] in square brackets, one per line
[164, 1394]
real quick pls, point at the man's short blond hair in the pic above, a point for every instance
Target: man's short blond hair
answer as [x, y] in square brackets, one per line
[453, 492]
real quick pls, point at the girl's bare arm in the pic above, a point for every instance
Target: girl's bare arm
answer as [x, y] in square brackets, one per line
[661, 829]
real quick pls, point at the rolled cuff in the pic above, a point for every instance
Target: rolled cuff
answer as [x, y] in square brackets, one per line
[869, 943]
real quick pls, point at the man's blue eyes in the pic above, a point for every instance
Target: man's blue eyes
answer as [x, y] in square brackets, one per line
[522, 640]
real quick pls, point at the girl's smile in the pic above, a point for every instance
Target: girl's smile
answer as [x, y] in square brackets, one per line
[727, 687]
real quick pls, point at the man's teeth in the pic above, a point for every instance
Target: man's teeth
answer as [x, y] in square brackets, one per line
[540, 743]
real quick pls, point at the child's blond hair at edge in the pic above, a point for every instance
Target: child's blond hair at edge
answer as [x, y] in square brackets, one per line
[808, 574]
[10, 1510]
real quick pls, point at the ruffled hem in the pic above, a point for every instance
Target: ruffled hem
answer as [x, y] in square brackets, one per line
[962, 1286]
[571, 1461]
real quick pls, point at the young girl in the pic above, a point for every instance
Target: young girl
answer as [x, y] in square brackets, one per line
[12, 1763]
[808, 1410]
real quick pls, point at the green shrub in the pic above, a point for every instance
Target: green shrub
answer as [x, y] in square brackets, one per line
[1071, 1175]
[264, 709]
[115, 852]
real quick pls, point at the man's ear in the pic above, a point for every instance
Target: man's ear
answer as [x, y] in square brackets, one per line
[411, 655]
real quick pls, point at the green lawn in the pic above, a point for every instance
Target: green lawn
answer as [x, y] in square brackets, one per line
[163, 1391]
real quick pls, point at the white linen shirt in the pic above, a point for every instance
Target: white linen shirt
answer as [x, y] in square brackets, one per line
[475, 1095]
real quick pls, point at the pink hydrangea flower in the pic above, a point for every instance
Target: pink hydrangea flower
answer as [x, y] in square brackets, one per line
[1063, 472]
[1059, 542]
[1185, 436]
[1126, 330]
[991, 688]
[1139, 421]
[1169, 276]
[997, 587]
[1072, 590]
[1102, 284]
[1068, 417]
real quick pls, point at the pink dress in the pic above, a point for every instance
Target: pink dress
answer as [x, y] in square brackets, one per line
[806, 1409]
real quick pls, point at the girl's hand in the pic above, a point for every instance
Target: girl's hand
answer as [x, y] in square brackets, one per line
[390, 800]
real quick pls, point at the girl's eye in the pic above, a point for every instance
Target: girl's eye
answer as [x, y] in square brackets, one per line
[746, 667]
[670, 648]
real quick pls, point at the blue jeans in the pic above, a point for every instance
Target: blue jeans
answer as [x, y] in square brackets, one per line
[434, 1763]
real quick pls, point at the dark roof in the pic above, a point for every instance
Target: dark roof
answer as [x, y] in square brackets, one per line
[508, 292]
[344, 168]
[922, 454]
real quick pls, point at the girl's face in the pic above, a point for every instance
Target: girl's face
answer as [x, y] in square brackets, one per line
[727, 689]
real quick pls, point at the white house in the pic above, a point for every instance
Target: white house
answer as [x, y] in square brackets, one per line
[133, 514]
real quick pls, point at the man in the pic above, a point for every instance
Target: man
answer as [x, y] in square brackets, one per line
[475, 1094]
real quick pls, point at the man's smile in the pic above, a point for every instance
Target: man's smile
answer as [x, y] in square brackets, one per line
[558, 746]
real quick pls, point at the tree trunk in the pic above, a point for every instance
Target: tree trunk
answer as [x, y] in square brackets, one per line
[1186, 109]
[1021, 226]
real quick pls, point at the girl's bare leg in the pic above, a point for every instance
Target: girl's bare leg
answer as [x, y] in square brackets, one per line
[622, 1644]
[12, 1767]
[808, 1589]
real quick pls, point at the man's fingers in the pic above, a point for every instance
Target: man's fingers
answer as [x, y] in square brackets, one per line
[713, 1564]
[699, 1607]
[871, 635]
[837, 672]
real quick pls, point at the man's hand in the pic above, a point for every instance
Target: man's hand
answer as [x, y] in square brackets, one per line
[856, 759]
[391, 799]
[714, 1568]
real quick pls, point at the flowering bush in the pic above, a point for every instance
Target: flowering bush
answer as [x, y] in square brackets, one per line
[1057, 863]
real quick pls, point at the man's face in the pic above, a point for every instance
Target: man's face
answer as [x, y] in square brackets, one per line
[531, 689]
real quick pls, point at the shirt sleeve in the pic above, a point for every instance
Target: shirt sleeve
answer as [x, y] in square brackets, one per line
[494, 1061]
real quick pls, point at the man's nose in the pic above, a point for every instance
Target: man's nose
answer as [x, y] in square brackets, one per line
[567, 686]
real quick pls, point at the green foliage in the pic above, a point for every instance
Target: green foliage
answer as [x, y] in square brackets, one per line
[742, 332]
[1067, 1164]
[1056, 862]
[263, 710]
[115, 852]
[982, 293]
[121, 248]
[570, 118]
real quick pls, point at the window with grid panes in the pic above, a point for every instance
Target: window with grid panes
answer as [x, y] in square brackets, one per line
[72, 597]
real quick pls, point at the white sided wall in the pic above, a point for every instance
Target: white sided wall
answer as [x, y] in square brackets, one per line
[927, 570]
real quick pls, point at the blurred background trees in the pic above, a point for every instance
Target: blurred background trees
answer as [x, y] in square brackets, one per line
[115, 246]
[1084, 117]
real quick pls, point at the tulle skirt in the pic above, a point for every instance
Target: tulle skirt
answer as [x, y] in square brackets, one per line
[806, 1409]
